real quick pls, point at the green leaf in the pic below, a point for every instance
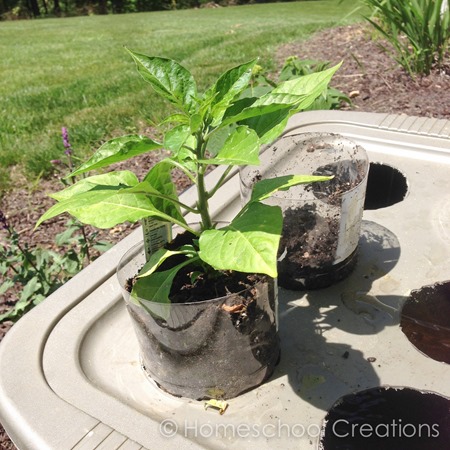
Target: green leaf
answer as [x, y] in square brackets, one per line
[248, 244]
[180, 140]
[169, 79]
[116, 150]
[166, 206]
[119, 179]
[227, 87]
[78, 201]
[65, 237]
[151, 289]
[7, 284]
[299, 91]
[195, 122]
[269, 114]
[238, 106]
[187, 158]
[38, 298]
[240, 148]
[159, 177]
[107, 207]
[270, 125]
[155, 261]
[158, 257]
[265, 188]
[102, 246]
[230, 83]
[30, 288]
[11, 314]
[176, 118]
[119, 208]
[256, 111]
[176, 137]
[156, 287]
[217, 139]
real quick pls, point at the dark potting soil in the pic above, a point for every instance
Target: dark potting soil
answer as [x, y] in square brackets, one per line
[241, 307]
[309, 239]
[308, 260]
[206, 286]
[347, 175]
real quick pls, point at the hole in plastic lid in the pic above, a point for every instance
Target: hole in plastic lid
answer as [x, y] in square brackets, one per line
[425, 320]
[386, 186]
[387, 418]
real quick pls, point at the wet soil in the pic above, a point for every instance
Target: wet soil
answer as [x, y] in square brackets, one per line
[388, 418]
[425, 320]
[368, 75]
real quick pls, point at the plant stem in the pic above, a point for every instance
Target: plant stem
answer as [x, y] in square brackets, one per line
[11, 266]
[26, 255]
[85, 238]
[183, 169]
[202, 203]
[176, 202]
[184, 226]
[202, 194]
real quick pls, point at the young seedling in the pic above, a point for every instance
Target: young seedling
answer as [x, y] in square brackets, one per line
[218, 128]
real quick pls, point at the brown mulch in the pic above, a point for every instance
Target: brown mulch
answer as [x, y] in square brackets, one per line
[371, 78]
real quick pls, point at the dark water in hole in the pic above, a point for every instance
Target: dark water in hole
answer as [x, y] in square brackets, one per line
[388, 419]
[425, 320]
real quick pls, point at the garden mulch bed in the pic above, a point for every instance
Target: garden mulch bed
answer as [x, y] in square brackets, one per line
[370, 77]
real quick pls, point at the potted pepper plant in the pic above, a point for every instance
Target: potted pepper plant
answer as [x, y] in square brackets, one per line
[204, 305]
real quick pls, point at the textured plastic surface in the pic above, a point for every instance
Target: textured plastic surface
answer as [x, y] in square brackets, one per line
[70, 374]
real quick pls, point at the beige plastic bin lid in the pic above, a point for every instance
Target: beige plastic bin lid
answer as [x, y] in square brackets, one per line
[70, 375]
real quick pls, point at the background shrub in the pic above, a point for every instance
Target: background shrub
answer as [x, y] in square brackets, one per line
[418, 30]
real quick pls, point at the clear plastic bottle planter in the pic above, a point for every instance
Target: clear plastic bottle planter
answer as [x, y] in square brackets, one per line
[205, 349]
[322, 221]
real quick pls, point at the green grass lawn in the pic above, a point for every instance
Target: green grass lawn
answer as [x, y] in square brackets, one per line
[75, 72]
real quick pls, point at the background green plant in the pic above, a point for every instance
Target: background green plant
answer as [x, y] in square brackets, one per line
[418, 31]
[31, 274]
[74, 72]
[37, 272]
[295, 67]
